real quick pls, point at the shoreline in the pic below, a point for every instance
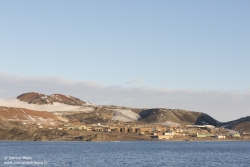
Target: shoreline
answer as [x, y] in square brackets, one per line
[19, 135]
[128, 141]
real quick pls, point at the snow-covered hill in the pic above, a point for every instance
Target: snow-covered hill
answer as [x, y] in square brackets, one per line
[48, 107]
[41, 99]
[125, 115]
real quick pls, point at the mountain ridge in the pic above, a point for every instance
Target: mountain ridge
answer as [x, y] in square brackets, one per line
[41, 99]
[93, 113]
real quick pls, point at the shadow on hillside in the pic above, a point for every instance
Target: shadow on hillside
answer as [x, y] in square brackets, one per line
[205, 119]
[147, 112]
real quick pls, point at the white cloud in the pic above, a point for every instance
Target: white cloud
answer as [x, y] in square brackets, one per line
[221, 105]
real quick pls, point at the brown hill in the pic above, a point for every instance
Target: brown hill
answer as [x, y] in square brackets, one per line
[241, 125]
[37, 98]
[105, 114]
[21, 114]
[99, 115]
[182, 117]
[19, 134]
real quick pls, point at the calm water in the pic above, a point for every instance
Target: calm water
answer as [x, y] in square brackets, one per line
[82, 154]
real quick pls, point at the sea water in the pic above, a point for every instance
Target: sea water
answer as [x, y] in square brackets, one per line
[134, 153]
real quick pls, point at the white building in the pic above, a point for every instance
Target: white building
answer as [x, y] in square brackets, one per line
[169, 133]
[220, 136]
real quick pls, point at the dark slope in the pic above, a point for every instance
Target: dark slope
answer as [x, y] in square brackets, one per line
[242, 124]
[182, 117]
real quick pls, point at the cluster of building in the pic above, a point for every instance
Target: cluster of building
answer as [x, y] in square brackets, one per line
[155, 131]
[108, 128]
[203, 131]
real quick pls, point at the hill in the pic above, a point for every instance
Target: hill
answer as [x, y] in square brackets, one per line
[22, 114]
[241, 125]
[40, 99]
[33, 106]
[175, 116]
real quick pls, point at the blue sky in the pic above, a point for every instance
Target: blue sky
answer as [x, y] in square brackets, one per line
[177, 45]
[174, 45]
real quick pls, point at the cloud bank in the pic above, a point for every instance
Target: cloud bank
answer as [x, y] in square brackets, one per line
[221, 105]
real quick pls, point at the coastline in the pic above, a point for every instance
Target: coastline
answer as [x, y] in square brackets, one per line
[155, 140]
[18, 135]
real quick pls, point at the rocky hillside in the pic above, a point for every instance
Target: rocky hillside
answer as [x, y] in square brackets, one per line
[242, 124]
[96, 137]
[206, 119]
[98, 115]
[40, 99]
[21, 114]
[17, 133]
[68, 108]
[175, 116]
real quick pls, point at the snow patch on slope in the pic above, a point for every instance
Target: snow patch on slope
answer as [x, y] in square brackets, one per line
[50, 107]
[125, 115]
[169, 123]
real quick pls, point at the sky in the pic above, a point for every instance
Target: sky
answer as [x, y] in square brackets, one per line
[191, 55]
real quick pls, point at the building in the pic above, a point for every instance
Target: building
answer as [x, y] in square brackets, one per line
[235, 135]
[214, 130]
[97, 128]
[118, 129]
[209, 126]
[88, 128]
[179, 130]
[159, 129]
[210, 135]
[83, 127]
[199, 135]
[220, 136]
[195, 126]
[157, 133]
[146, 130]
[69, 128]
[164, 137]
[105, 126]
[169, 133]
[124, 129]
[133, 129]
[80, 127]
[106, 129]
